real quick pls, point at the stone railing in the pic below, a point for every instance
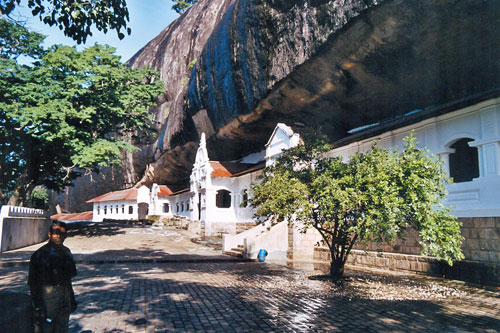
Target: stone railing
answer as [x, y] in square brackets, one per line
[14, 211]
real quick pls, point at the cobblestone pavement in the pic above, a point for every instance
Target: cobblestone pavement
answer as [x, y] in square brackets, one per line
[241, 297]
[112, 242]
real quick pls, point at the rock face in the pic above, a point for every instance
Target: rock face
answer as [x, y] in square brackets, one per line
[335, 64]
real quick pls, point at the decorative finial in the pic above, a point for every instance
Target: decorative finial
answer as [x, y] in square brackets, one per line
[203, 141]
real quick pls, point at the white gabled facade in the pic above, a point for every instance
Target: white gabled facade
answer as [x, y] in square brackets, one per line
[282, 138]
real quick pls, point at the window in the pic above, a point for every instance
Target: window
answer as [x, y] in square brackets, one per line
[130, 209]
[177, 207]
[116, 209]
[123, 209]
[98, 210]
[187, 205]
[166, 207]
[105, 210]
[182, 206]
[464, 164]
[223, 199]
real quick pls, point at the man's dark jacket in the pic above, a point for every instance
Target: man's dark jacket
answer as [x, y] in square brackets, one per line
[50, 265]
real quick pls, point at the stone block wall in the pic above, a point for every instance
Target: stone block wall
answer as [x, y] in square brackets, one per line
[481, 247]
[301, 245]
[408, 245]
[482, 239]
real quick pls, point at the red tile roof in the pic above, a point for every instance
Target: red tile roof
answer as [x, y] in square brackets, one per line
[164, 190]
[130, 194]
[85, 216]
[233, 169]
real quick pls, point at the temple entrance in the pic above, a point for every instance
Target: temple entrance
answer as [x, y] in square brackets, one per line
[143, 210]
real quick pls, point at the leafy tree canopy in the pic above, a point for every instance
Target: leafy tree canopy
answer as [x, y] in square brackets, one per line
[16, 40]
[69, 112]
[75, 18]
[375, 196]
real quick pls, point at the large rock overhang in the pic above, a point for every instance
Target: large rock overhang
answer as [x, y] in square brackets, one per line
[390, 60]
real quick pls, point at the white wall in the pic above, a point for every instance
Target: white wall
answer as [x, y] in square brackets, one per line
[235, 213]
[98, 214]
[157, 206]
[20, 226]
[182, 205]
[481, 122]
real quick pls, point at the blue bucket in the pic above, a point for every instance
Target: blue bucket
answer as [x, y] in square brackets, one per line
[262, 255]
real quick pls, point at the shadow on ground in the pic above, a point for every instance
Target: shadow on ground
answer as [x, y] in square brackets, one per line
[93, 229]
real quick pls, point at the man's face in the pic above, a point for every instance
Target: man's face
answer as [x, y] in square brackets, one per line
[57, 234]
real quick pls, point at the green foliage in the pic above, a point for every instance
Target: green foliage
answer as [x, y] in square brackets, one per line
[181, 6]
[39, 199]
[69, 112]
[191, 64]
[16, 40]
[373, 197]
[75, 18]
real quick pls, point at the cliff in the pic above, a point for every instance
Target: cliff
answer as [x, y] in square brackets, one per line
[234, 68]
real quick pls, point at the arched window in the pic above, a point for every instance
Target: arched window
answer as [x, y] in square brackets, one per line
[105, 210]
[177, 207]
[98, 210]
[123, 209]
[116, 209]
[223, 199]
[182, 206]
[464, 165]
[187, 206]
[166, 208]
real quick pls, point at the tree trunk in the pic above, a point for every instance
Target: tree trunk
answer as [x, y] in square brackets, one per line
[14, 198]
[19, 190]
[336, 269]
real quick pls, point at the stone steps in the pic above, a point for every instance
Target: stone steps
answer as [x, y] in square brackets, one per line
[235, 252]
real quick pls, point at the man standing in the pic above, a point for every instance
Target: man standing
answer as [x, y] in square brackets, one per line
[50, 272]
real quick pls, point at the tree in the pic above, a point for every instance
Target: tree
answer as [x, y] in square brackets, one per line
[373, 197]
[180, 6]
[75, 18]
[67, 113]
[15, 40]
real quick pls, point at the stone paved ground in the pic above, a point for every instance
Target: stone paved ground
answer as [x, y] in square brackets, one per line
[197, 289]
[241, 297]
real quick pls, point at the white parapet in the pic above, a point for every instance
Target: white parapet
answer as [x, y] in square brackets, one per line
[232, 241]
[14, 211]
[21, 226]
[274, 240]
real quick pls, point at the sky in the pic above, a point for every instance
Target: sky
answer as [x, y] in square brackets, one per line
[147, 19]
